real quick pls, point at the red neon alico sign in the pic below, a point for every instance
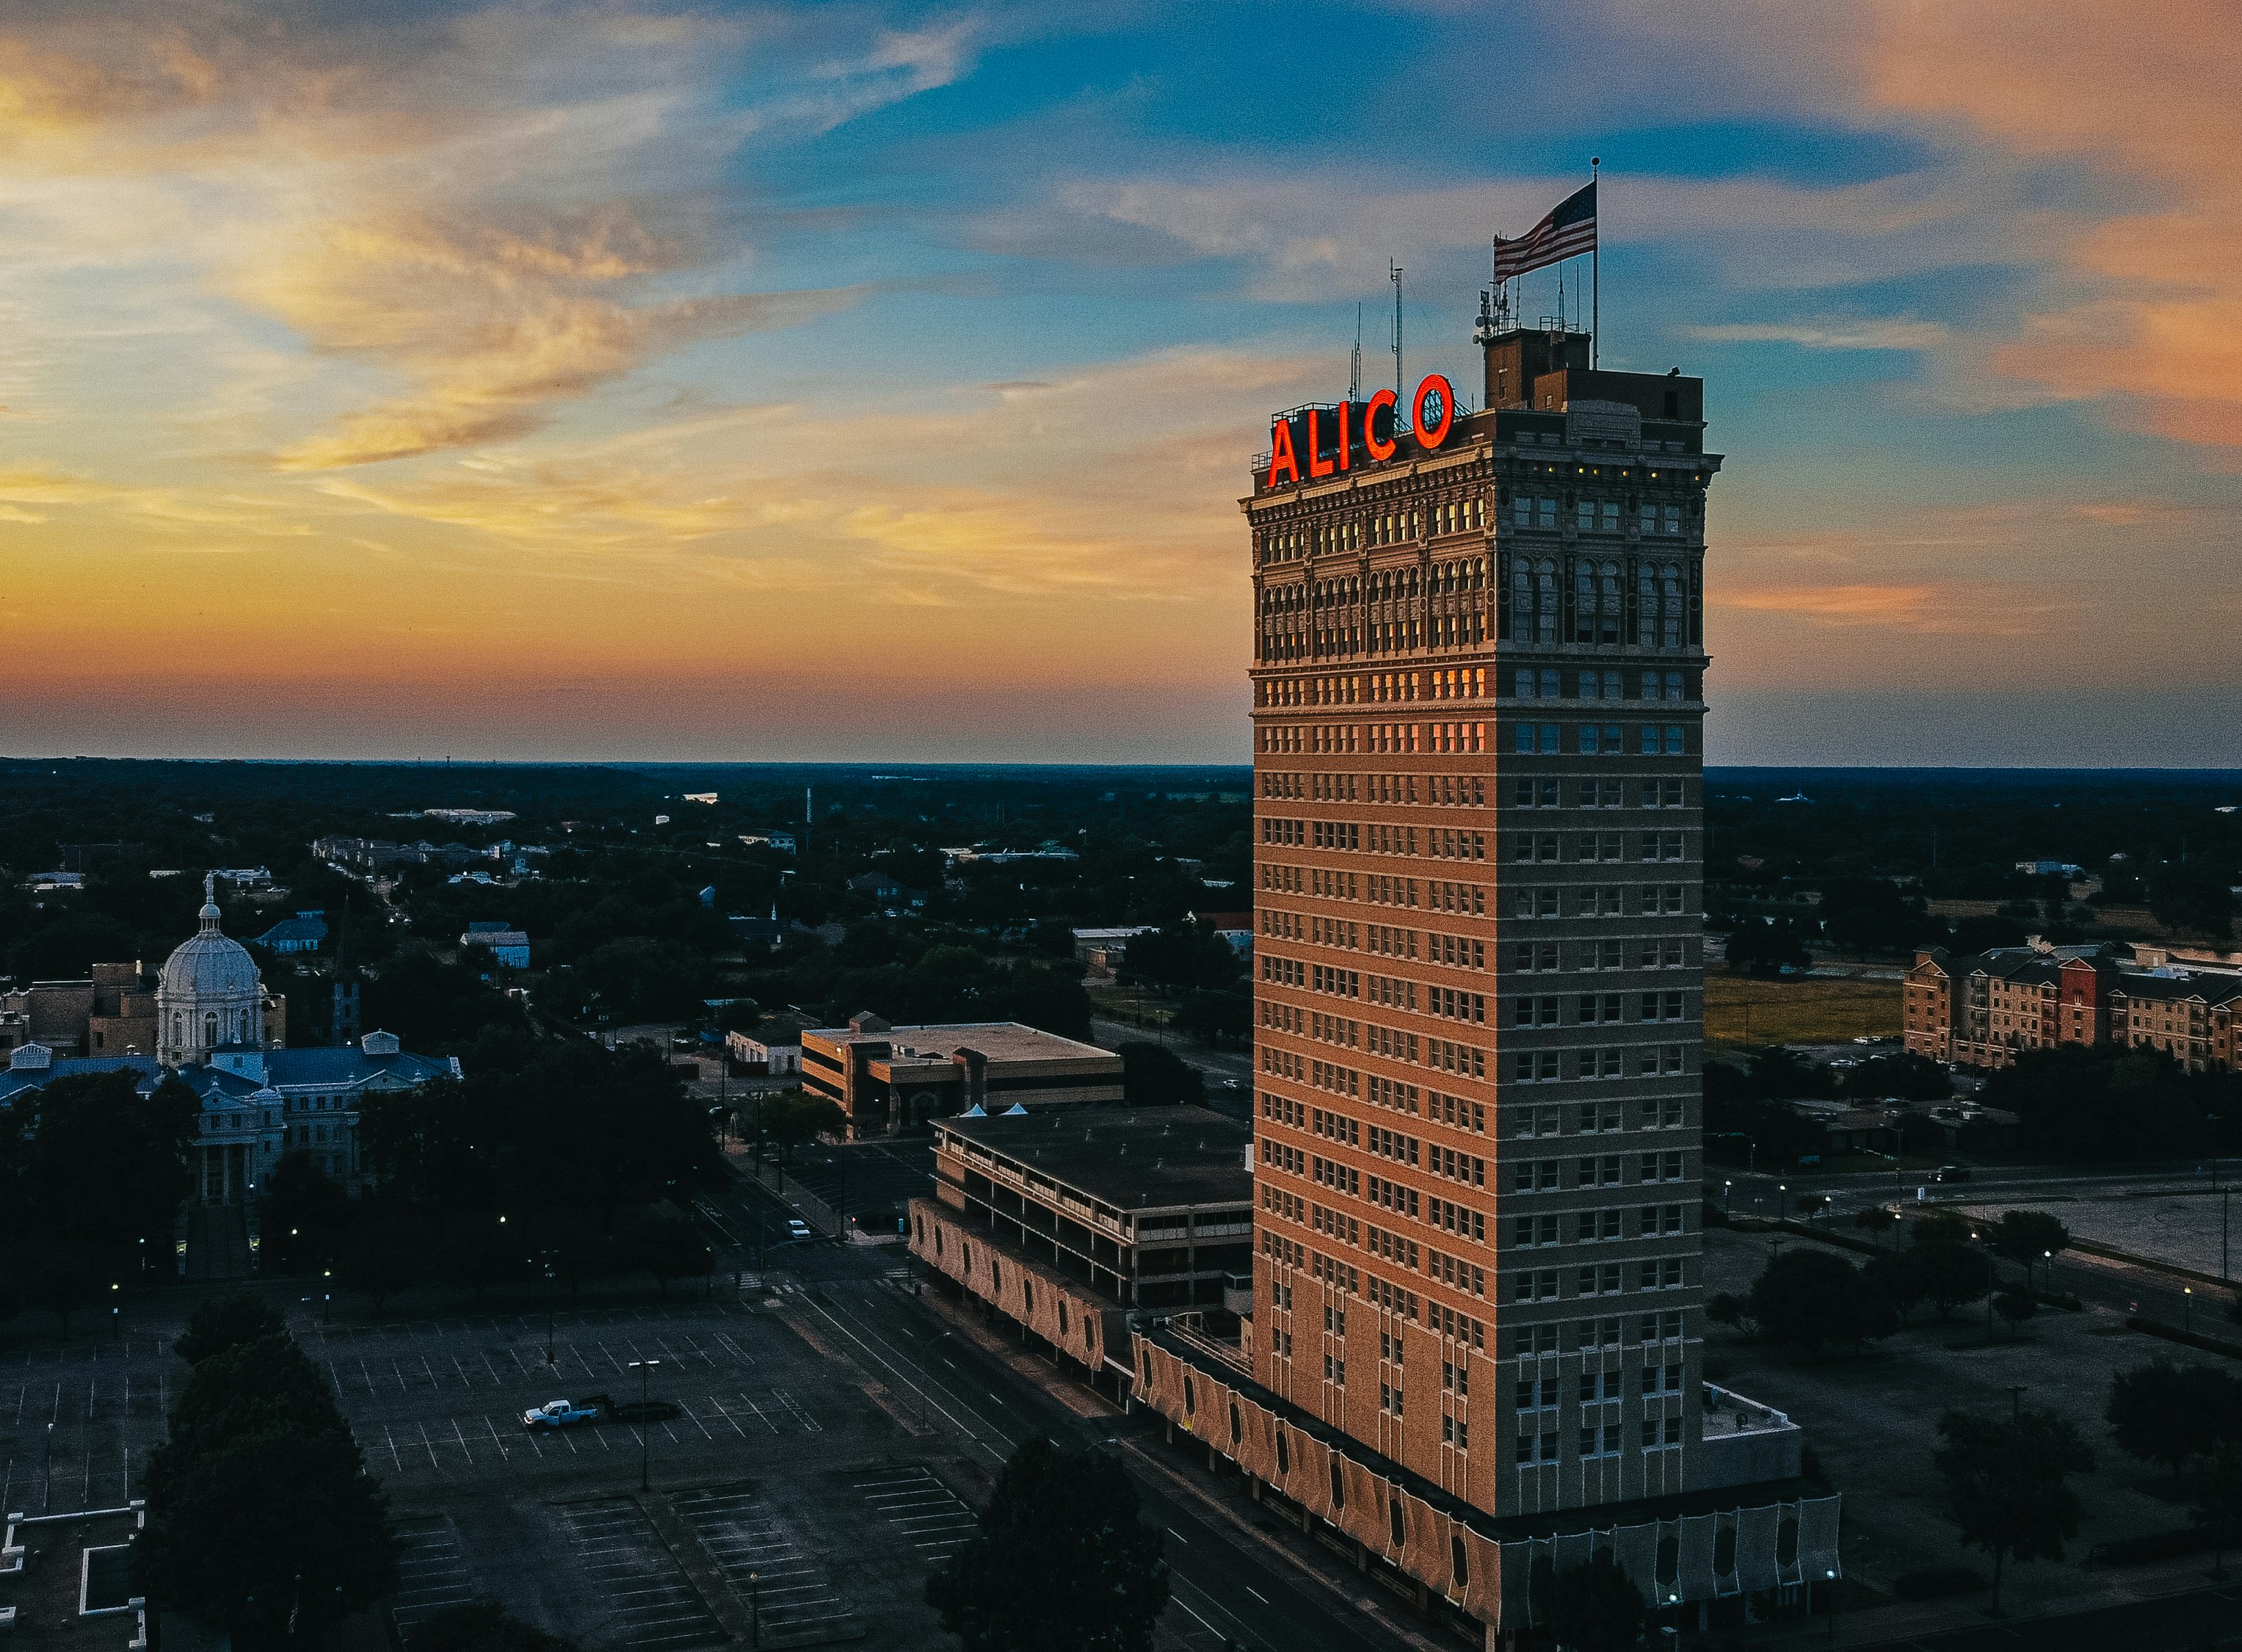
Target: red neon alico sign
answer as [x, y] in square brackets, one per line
[1431, 417]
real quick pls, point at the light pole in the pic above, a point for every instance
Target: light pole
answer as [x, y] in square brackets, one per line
[754, 1608]
[2187, 1308]
[2225, 1200]
[1830, 1589]
[645, 1369]
[1727, 1188]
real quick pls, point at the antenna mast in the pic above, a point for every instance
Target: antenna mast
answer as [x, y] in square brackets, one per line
[1393, 269]
[1354, 368]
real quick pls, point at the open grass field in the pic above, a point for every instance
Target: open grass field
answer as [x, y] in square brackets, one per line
[1739, 1012]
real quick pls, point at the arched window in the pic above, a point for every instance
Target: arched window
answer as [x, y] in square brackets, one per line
[210, 1029]
[1669, 618]
[178, 1028]
[1608, 591]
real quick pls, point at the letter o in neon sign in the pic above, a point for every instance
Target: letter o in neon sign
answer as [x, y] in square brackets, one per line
[1434, 382]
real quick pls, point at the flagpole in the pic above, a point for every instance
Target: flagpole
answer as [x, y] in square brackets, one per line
[1596, 272]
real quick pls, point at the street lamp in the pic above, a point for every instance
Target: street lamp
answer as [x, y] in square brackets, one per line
[2187, 1307]
[756, 1608]
[1781, 1201]
[645, 1369]
[1830, 1589]
[1727, 1188]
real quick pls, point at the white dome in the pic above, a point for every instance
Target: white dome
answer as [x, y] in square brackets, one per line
[208, 966]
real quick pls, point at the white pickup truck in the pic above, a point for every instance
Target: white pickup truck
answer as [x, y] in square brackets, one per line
[560, 1413]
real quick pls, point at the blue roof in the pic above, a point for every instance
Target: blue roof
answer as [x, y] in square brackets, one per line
[299, 927]
[322, 1068]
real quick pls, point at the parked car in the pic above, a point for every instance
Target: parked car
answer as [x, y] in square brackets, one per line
[560, 1413]
[796, 1228]
[1950, 1173]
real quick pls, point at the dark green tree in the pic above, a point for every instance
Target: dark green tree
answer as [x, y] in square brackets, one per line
[224, 1323]
[2217, 1506]
[306, 1214]
[1765, 947]
[62, 1280]
[2161, 1412]
[2008, 1483]
[668, 1247]
[1154, 1076]
[263, 1521]
[2028, 1236]
[1811, 1299]
[1953, 1275]
[272, 1535]
[1900, 1278]
[1063, 1562]
[1910, 1078]
[1594, 1607]
[377, 1268]
[2015, 1307]
[795, 1118]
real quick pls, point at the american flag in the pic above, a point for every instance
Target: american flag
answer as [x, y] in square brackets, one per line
[1569, 230]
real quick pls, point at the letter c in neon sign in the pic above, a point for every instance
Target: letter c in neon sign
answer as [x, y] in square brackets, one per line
[1434, 383]
[1378, 450]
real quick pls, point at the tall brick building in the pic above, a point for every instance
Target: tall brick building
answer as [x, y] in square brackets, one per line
[1477, 696]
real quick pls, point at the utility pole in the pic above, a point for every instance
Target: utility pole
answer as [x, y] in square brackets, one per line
[645, 1369]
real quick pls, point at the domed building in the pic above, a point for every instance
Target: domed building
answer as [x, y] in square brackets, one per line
[222, 1034]
[209, 996]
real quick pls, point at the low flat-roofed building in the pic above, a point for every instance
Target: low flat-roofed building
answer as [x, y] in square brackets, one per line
[68, 1579]
[888, 1079]
[1073, 1223]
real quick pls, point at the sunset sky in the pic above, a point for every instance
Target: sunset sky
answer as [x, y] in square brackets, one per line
[631, 381]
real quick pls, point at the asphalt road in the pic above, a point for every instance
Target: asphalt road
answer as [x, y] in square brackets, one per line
[1225, 1585]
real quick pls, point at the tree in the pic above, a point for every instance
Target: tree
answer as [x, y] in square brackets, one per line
[2161, 1412]
[1763, 946]
[1594, 1607]
[89, 1165]
[2218, 1507]
[1724, 1307]
[227, 1322]
[669, 1248]
[1908, 1077]
[1154, 1076]
[1875, 1220]
[269, 1529]
[62, 1280]
[1900, 1278]
[305, 1212]
[1953, 1275]
[2015, 1307]
[2026, 1236]
[263, 1521]
[378, 1268]
[2007, 1483]
[1062, 1561]
[797, 1117]
[1811, 1297]
[482, 1626]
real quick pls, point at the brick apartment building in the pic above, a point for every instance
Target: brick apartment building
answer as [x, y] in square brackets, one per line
[1986, 1009]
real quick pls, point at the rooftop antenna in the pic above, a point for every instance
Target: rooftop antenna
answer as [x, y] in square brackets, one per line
[1354, 368]
[1393, 272]
[1595, 274]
